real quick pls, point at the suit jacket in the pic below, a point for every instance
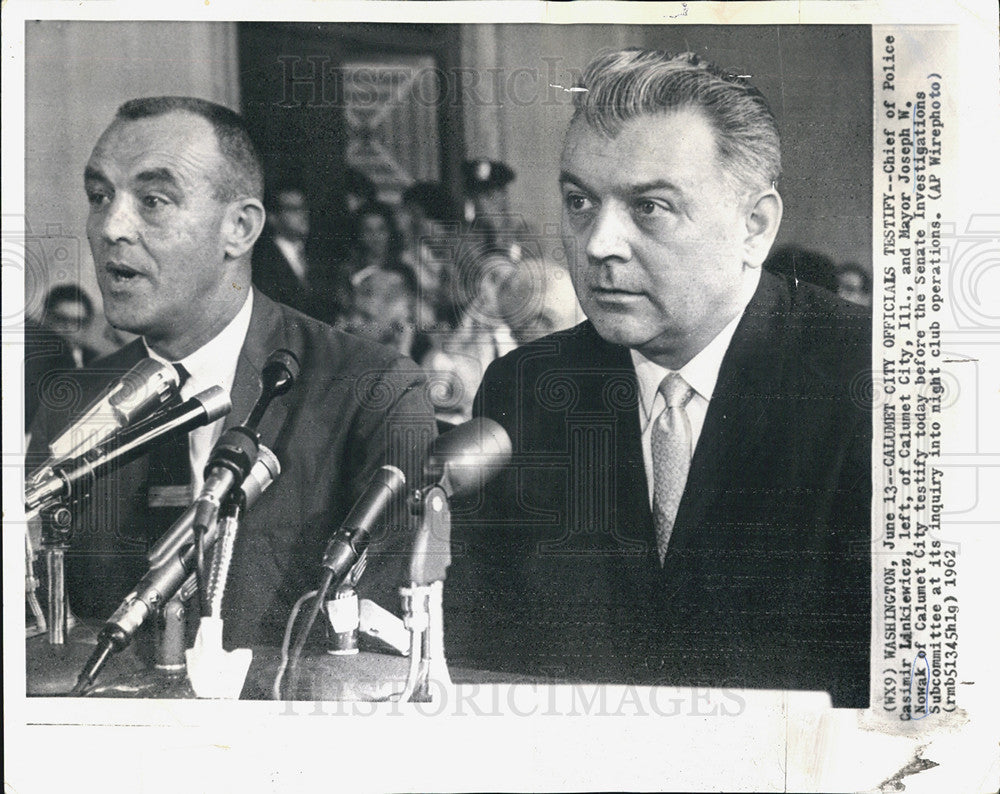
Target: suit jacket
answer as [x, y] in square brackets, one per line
[766, 578]
[354, 407]
[47, 357]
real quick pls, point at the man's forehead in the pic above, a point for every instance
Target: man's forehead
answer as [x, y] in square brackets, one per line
[177, 142]
[643, 149]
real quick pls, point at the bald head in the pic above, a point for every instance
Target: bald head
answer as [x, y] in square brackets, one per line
[172, 258]
[242, 175]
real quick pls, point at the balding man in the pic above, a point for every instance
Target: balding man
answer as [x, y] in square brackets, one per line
[689, 498]
[175, 188]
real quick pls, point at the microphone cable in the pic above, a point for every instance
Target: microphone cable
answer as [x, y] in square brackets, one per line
[292, 660]
[286, 641]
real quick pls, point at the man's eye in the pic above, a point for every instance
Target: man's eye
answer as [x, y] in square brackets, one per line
[97, 199]
[577, 203]
[651, 207]
[153, 202]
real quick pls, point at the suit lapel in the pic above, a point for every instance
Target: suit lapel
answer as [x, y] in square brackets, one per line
[125, 358]
[740, 411]
[128, 356]
[632, 522]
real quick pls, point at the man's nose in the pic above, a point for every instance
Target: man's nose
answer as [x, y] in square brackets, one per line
[118, 221]
[609, 235]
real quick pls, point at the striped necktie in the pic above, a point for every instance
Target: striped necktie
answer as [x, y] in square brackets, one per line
[671, 447]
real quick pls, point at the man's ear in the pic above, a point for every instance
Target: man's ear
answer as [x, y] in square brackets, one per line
[763, 217]
[242, 226]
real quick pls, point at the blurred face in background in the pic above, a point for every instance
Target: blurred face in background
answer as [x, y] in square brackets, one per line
[290, 215]
[383, 308]
[483, 286]
[852, 286]
[70, 319]
[374, 234]
[491, 202]
[539, 300]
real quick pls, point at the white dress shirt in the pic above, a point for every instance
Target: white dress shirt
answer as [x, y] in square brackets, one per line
[213, 364]
[294, 252]
[700, 373]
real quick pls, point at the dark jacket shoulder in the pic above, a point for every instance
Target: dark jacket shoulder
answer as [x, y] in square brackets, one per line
[834, 336]
[578, 346]
[328, 356]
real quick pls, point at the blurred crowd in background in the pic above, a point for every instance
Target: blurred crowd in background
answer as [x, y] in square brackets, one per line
[453, 282]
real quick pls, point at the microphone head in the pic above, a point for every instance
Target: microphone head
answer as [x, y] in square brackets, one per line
[146, 385]
[264, 471]
[215, 400]
[468, 456]
[280, 371]
[391, 477]
[127, 400]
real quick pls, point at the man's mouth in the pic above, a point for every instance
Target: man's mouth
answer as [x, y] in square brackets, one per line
[120, 274]
[614, 293]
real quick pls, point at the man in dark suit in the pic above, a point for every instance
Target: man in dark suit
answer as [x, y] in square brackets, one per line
[286, 264]
[175, 190]
[689, 498]
[69, 313]
[55, 345]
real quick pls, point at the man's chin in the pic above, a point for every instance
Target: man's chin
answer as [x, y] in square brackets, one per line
[125, 321]
[617, 332]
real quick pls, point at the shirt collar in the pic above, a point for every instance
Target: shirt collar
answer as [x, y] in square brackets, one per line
[214, 363]
[296, 247]
[702, 371]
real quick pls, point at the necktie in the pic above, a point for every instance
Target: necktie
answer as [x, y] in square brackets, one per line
[169, 482]
[671, 447]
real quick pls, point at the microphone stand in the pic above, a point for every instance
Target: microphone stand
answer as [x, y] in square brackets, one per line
[31, 590]
[458, 460]
[53, 494]
[171, 641]
[222, 558]
[213, 671]
[423, 611]
[57, 528]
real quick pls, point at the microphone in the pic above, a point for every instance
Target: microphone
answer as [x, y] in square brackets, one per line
[460, 461]
[58, 482]
[264, 471]
[171, 561]
[236, 449]
[464, 458]
[229, 464]
[281, 370]
[351, 540]
[145, 387]
[234, 453]
[345, 548]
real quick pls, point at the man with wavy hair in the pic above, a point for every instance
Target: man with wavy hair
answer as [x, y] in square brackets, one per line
[689, 498]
